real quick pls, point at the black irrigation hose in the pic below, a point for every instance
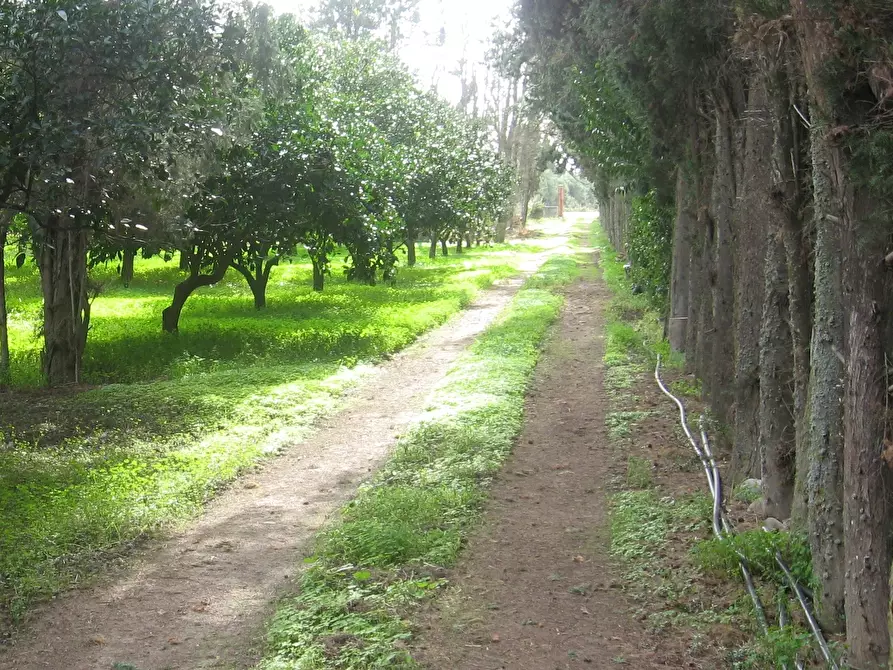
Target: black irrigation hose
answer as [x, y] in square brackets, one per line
[722, 527]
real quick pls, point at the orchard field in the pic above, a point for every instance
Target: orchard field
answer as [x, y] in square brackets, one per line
[163, 421]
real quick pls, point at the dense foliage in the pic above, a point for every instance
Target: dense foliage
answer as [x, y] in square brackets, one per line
[740, 153]
[227, 134]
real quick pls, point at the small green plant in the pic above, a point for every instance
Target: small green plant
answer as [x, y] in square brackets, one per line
[781, 647]
[638, 473]
[687, 387]
[759, 548]
[620, 423]
[746, 494]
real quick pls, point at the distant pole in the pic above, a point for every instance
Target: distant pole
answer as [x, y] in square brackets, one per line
[561, 202]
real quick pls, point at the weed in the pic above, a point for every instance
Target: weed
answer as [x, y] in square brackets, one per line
[687, 387]
[746, 494]
[638, 473]
[422, 504]
[759, 548]
[620, 423]
[781, 647]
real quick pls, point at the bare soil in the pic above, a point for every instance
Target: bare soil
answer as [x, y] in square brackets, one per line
[537, 588]
[200, 599]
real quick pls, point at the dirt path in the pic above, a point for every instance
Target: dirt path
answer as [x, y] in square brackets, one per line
[537, 589]
[200, 599]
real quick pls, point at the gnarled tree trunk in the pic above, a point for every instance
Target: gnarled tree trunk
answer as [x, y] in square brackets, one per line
[257, 275]
[170, 317]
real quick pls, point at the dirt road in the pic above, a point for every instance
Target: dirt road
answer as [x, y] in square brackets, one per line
[537, 589]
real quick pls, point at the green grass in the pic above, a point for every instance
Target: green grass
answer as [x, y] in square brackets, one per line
[85, 474]
[384, 553]
[219, 327]
[634, 334]
[620, 424]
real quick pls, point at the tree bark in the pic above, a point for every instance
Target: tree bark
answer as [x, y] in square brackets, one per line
[722, 367]
[410, 247]
[127, 258]
[681, 265]
[866, 478]
[319, 277]
[184, 261]
[776, 369]
[170, 317]
[824, 485]
[432, 251]
[258, 277]
[444, 249]
[62, 260]
[787, 198]
[459, 244]
[750, 241]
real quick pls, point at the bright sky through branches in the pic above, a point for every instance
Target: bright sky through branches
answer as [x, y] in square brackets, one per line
[468, 25]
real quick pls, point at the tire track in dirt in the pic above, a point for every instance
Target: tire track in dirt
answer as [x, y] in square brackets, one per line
[200, 599]
[537, 589]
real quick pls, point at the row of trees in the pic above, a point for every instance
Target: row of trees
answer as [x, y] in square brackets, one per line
[224, 133]
[767, 126]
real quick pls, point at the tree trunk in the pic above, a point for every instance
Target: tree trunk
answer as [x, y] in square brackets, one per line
[866, 478]
[501, 228]
[127, 258]
[4, 324]
[825, 453]
[319, 276]
[444, 249]
[722, 367]
[62, 260]
[184, 261]
[170, 317]
[459, 244]
[753, 207]
[258, 276]
[787, 197]
[410, 248]
[681, 265]
[776, 369]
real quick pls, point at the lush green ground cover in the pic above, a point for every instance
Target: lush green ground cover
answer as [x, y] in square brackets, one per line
[385, 552]
[84, 473]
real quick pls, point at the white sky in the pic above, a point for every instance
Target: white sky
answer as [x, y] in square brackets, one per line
[468, 25]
